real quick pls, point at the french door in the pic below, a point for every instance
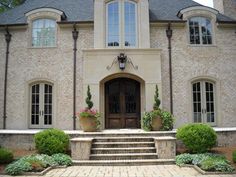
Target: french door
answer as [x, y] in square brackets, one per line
[41, 113]
[203, 97]
[122, 103]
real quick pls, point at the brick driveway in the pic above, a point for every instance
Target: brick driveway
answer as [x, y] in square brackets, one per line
[127, 171]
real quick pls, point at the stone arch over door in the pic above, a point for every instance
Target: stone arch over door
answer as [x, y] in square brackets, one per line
[125, 119]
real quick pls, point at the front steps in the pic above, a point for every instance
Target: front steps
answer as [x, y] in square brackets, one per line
[123, 151]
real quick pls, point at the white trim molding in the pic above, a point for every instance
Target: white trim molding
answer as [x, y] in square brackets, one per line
[44, 10]
[202, 8]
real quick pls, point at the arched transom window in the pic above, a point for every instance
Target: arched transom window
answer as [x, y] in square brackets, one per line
[121, 23]
[200, 30]
[44, 33]
[203, 100]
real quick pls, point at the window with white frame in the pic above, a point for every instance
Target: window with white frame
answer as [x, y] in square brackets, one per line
[121, 23]
[200, 30]
[41, 102]
[203, 101]
[44, 33]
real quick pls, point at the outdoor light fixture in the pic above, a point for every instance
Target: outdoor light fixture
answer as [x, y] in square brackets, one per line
[122, 58]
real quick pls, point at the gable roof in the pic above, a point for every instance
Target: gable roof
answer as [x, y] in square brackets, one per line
[83, 10]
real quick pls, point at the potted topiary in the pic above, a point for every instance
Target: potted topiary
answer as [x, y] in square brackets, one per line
[156, 113]
[89, 118]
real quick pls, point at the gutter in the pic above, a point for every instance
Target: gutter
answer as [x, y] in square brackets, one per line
[9, 25]
[169, 32]
[75, 37]
[8, 40]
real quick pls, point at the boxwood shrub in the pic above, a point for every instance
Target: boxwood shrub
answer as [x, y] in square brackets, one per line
[51, 141]
[198, 138]
[6, 156]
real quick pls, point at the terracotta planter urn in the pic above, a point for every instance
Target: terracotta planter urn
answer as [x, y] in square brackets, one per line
[88, 124]
[156, 123]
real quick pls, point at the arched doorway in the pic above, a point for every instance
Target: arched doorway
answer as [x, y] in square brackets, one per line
[122, 103]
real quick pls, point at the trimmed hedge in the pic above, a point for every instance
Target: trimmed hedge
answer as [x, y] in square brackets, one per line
[51, 141]
[198, 138]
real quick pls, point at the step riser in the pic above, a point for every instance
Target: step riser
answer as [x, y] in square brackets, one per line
[122, 163]
[123, 157]
[125, 140]
[122, 145]
[123, 151]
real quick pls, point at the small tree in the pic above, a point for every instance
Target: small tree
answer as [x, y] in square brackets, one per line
[157, 101]
[88, 99]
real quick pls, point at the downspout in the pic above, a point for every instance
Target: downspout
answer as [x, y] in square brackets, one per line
[169, 36]
[75, 37]
[8, 40]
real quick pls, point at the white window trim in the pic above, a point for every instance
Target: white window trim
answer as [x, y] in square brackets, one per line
[203, 100]
[200, 31]
[122, 23]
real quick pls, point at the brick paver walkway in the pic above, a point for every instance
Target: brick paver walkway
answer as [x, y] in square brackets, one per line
[127, 171]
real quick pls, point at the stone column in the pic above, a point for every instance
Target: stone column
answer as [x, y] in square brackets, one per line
[81, 148]
[165, 147]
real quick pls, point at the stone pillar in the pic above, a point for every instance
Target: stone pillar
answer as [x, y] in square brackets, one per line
[81, 148]
[165, 147]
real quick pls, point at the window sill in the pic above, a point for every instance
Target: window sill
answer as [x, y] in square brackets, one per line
[201, 45]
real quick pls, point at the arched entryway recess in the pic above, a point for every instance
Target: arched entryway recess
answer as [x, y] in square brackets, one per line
[122, 100]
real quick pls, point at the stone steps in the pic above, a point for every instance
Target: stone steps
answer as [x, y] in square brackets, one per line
[123, 150]
[127, 156]
[123, 139]
[122, 144]
[123, 162]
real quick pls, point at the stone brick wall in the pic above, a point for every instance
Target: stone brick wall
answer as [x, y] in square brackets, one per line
[51, 64]
[215, 62]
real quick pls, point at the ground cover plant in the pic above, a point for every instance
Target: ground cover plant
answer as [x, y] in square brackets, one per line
[37, 163]
[206, 161]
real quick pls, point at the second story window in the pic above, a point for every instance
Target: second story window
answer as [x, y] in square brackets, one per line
[121, 24]
[200, 31]
[44, 33]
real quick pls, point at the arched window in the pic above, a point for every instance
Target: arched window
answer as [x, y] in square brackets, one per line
[41, 105]
[203, 100]
[44, 33]
[200, 30]
[121, 23]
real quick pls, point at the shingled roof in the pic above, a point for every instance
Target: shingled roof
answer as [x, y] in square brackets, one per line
[83, 10]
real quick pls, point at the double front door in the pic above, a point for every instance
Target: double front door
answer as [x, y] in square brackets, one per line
[122, 104]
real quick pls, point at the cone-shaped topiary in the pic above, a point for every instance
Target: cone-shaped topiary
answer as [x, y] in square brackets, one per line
[157, 101]
[88, 99]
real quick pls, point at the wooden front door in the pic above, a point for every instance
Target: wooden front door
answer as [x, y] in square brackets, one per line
[122, 98]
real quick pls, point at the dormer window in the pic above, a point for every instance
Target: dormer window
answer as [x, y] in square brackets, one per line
[121, 24]
[200, 30]
[44, 33]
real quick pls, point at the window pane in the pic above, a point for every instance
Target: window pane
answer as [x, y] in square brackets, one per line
[130, 24]
[113, 24]
[197, 107]
[43, 33]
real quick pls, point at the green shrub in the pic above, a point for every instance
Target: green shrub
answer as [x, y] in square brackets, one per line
[62, 159]
[18, 167]
[215, 164]
[147, 121]
[197, 138]
[6, 156]
[234, 156]
[183, 159]
[51, 141]
[167, 120]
